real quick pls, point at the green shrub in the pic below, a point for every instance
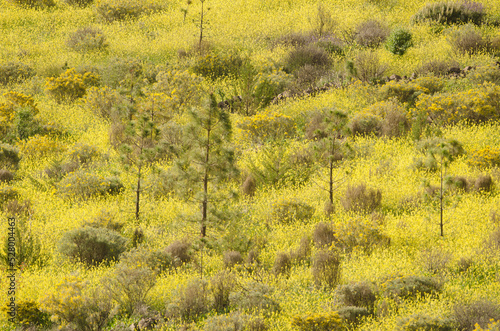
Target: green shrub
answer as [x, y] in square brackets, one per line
[268, 84]
[308, 55]
[422, 322]
[410, 287]
[215, 66]
[399, 41]
[288, 211]
[92, 246]
[70, 85]
[14, 72]
[360, 199]
[76, 306]
[255, 298]
[28, 314]
[371, 33]
[407, 92]
[87, 39]
[448, 12]
[331, 45]
[101, 101]
[467, 315]
[468, 40]
[328, 321]
[453, 147]
[326, 268]
[112, 10]
[83, 185]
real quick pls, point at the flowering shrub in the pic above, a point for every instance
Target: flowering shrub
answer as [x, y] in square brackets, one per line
[70, 85]
[485, 157]
[37, 147]
[328, 321]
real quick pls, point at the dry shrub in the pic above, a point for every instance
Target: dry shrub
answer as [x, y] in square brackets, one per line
[101, 101]
[295, 39]
[190, 302]
[255, 298]
[371, 33]
[326, 268]
[303, 252]
[14, 72]
[282, 264]
[435, 260]
[451, 12]
[221, 286]
[249, 186]
[421, 321]
[467, 315]
[411, 287]
[6, 176]
[494, 238]
[394, 117]
[308, 55]
[352, 316]
[324, 236]
[79, 3]
[83, 185]
[486, 73]
[365, 123]
[436, 67]
[180, 251]
[360, 199]
[232, 258]
[306, 77]
[361, 234]
[483, 183]
[87, 39]
[235, 321]
[9, 157]
[469, 41]
[112, 10]
[36, 4]
[367, 67]
[359, 294]
[457, 183]
[288, 211]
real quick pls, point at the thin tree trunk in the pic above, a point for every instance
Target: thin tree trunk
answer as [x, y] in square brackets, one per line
[138, 193]
[441, 201]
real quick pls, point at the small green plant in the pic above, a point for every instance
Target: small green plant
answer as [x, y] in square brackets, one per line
[87, 39]
[92, 246]
[14, 72]
[327, 321]
[399, 41]
[70, 85]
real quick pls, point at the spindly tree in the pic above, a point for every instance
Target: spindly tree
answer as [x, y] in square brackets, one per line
[208, 160]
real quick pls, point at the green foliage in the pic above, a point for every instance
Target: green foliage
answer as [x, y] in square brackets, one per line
[87, 39]
[268, 84]
[326, 268]
[448, 12]
[399, 41]
[110, 10]
[411, 287]
[28, 314]
[267, 126]
[74, 304]
[17, 117]
[14, 72]
[425, 322]
[327, 321]
[287, 211]
[360, 199]
[215, 66]
[70, 85]
[371, 33]
[92, 246]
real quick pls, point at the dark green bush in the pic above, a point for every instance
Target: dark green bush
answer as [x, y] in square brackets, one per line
[411, 287]
[28, 314]
[360, 199]
[87, 39]
[371, 33]
[326, 268]
[451, 12]
[14, 72]
[467, 315]
[399, 41]
[422, 322]
[357, 295]
[92, 246]
[308, 55]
